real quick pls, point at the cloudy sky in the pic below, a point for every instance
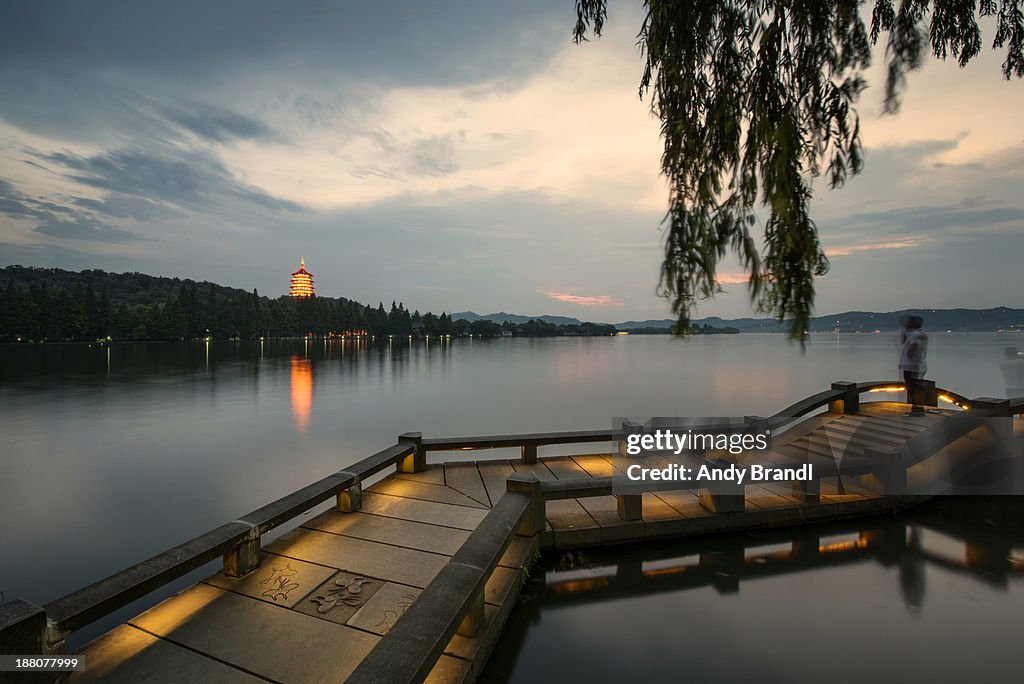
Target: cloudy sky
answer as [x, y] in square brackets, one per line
[455, 155]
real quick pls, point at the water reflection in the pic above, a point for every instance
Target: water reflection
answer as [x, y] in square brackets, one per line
[728, 563]
[796, 595]
[302, 392]
[120, 451]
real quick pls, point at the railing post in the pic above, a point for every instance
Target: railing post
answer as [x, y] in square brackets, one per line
[246, 556]
[351, 498]
[629, 427]
[756, 424]
[807, 491]
[723, 497]
[997, 414]
[629, 506]
[929, 393]
[22, 628]
[416, 462]
[535, 520]
[529, 453]
[850, 401]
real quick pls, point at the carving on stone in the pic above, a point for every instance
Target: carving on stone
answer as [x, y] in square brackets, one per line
[280, 583]
[391, 616]
[348, 592]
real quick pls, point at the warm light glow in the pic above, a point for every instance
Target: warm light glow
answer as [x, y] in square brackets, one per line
[573, 586]
[302, 392]
[769, 557]
[676, 570]
[950, 400]
[302, 282]
[894, 388]
[843, 546]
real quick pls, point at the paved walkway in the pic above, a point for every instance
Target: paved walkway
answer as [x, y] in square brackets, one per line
[326, 591]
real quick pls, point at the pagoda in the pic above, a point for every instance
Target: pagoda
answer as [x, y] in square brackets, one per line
[302, 282]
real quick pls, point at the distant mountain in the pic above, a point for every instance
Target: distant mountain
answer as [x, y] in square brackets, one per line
[955, 320]
[743, 324]
[501, 317]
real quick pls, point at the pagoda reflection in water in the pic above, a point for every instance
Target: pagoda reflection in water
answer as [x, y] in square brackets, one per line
[302, 392]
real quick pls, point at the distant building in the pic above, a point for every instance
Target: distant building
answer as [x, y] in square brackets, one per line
[302, 282]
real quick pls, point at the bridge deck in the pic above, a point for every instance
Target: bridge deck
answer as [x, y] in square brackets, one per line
[326, 591]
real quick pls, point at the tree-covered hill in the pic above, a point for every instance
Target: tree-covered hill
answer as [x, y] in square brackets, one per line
[51, 304]
[57, 305]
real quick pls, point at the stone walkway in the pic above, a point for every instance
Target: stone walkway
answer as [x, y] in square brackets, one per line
[325, 592]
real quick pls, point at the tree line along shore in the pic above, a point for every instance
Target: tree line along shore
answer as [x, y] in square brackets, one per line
[54, 305]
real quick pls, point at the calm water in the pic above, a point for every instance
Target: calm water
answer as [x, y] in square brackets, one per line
[112, 454]
[933, 595]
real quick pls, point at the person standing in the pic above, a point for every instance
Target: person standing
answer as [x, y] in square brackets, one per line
[1012, 367]
[913, 361]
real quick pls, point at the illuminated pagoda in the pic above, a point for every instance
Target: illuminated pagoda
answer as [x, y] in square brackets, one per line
[302, 282]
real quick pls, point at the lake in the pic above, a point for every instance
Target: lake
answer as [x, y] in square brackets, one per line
[114, 453]
[931, 595]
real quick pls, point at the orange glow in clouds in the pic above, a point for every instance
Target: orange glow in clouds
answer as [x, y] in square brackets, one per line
[585, 300]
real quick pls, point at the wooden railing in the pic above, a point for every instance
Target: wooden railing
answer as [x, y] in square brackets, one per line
[26, 628]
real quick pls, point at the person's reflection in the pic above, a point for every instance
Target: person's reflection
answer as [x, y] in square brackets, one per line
[302, 392]
[912, 583]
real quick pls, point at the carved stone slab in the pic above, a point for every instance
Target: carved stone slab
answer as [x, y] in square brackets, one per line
[340, 597]
[278, 580]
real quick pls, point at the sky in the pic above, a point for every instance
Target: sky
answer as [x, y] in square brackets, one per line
[457, 155]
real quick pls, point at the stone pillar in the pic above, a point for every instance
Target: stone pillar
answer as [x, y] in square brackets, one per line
[629, 427]
[756, 424]
[351, 498]
[416, 462]
[849, 402]
[22, 628]
[629, 506]
[534, 521]
[246, 556]
[997, 415]
[929, 393]
[807, 491]
[723, 497]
